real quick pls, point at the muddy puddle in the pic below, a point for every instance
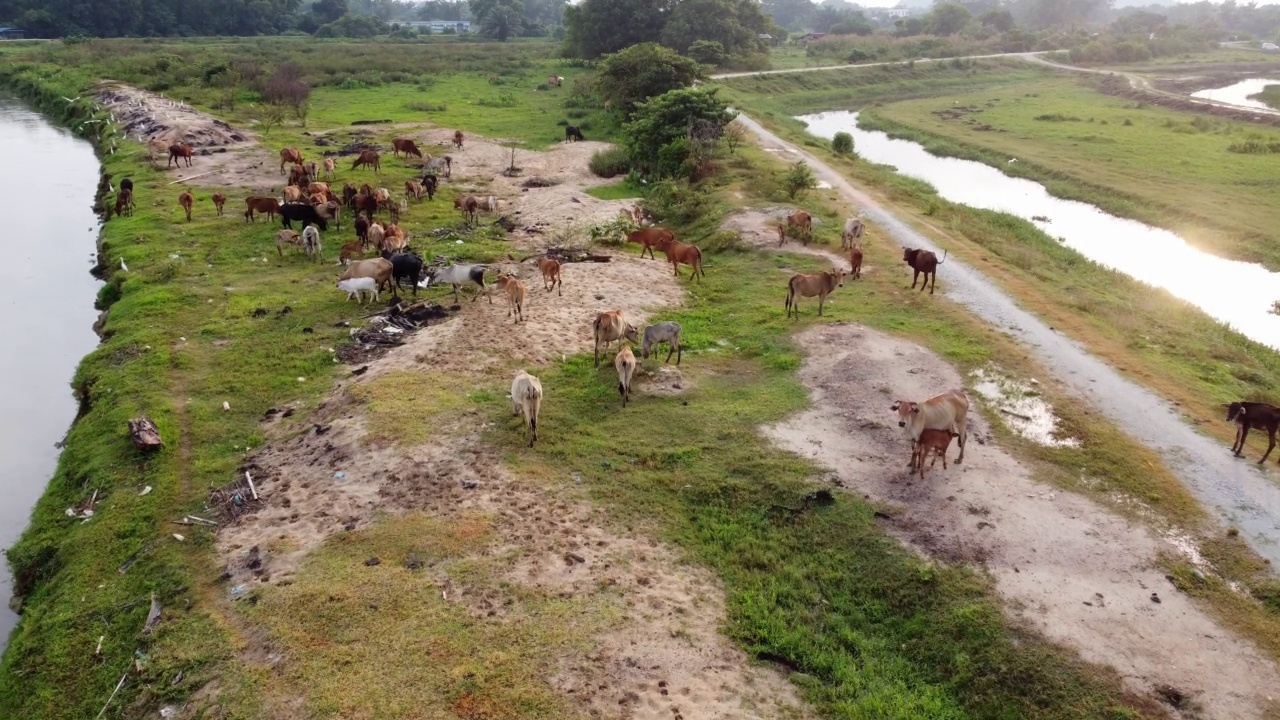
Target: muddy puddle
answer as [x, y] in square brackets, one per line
[1238, 294]
[1022, 408]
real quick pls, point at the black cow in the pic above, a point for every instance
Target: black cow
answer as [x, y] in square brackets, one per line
[302, 212]
[573, 132]
[430, 183]
[1248, 415]
[405, 265]
[923, 261]
[126, 184]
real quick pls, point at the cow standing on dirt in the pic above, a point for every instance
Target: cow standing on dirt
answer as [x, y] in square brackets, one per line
[946, 411]
[1247, 415]
[923, 261]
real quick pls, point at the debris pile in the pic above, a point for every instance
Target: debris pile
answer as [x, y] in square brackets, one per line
[148, 117]
[389, 329]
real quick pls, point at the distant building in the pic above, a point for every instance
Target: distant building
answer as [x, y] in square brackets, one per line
[897, 12]
[11, 33]
[459, 26]
[807, 37]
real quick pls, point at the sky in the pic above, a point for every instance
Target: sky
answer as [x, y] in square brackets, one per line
[892, 3]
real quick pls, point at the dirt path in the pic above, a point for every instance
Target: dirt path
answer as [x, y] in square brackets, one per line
[666, 657]
[1076, 573]
[1231, 489]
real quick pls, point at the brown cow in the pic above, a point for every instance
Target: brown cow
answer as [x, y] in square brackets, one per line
[330, 165]
[350, 251]
[406, 146]
[313, 172]
[268, 205]
[366, 203]
[186, 201]
[553, 81]
[292, 193]
[349, 193]
[515, 291]
[413, 189]
[808, 285]
[298, 176]
[218, 201]
[314, 188]
[289, 155]
[678, 252]
[649, 238]
[457, 139]
[609, 326]
[469, 207]
[180, 150]
[362, 229]
[855, 262]
[550, 268]
[287, 237]
[395, 239]
[368, 157]
[803, 223]
[935, 442]
[923, 261]
[945, 411]
[124, 202]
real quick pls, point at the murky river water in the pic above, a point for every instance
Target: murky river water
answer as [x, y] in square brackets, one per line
[47, 181]
[1238, 93]
[1236, 293]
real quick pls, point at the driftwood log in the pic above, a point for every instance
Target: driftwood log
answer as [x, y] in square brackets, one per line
[144, 434]
[568, 255]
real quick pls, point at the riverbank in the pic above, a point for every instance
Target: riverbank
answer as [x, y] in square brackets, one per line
[401, 503]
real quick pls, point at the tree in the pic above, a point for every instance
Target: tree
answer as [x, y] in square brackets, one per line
[665, 132]
[444, 10]
[735, 24]
[842, 143]
[1000, 20]
[947, 18]
[354, 26]
[708, 52]
[790, 14]
[599, 27]
[327, 11]
[643, 71]
[499, 19]
[1061, 14]
[799, 180]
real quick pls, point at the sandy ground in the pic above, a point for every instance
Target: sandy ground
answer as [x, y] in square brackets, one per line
[668, 659]
[1076, 573]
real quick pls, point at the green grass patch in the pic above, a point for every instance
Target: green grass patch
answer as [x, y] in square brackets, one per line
[409, 407]
[381, 642]
[615, 191]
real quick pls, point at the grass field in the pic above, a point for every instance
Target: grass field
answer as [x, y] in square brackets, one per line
[873, 629]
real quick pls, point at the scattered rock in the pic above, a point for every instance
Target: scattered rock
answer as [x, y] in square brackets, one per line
[372, 561]
[1155, 598]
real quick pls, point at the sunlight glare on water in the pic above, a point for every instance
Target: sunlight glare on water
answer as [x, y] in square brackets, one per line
[1238, 93]
[1238, 294]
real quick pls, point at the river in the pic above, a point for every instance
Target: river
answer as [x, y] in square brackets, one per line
[1235, 293]
[47, 182]
[1238, 93]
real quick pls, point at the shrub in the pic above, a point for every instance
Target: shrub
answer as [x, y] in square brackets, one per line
[612, 233]
[842, 143]
[418, 106]
[1057, 117]
[708, 52]
[676, 202]
[504, 100]
[610, 163]
[799, 180]
[722, 241]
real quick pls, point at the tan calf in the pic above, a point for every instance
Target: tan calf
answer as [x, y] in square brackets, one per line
[515, 292]
[808, 285]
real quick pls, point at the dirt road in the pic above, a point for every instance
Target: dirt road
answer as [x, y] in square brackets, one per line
[1232, 489]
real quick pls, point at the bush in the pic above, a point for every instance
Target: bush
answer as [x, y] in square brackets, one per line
[1057, 117]
[676, 202]
[708, 52]
[672, 133]
[418, 106]
[842, 143]
[612, 233]
[799, 180]
[644, 71]
[722, 241]
[610, 163]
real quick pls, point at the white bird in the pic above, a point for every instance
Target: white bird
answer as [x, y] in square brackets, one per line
[1013, 160]
[123, 266]
[69, 100]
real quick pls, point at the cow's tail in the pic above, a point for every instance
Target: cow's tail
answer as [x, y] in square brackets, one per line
[944, 257]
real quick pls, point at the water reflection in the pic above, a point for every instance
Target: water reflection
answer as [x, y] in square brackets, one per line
[46, 306]
[1236, 293]
[1238, 93]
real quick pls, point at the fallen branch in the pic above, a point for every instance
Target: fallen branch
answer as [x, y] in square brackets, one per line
[252, 489]
[193, 177]
[1020, 416]
[113, 695]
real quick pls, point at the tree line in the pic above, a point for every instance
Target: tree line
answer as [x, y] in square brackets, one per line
[351, 18]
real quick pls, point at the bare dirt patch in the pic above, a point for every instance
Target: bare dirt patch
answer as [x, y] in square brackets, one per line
[1074, 572]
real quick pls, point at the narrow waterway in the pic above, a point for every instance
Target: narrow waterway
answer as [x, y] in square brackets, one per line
[1232, 489]
[47, 182]
[1238, 93]
[1238, 294]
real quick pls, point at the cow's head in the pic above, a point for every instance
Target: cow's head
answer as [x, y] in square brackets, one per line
[909, 255]
[1235, 412]
[905, 409]
[630, 333]
[839, 273]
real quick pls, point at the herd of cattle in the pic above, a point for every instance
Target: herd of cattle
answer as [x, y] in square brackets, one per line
[929, 425]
